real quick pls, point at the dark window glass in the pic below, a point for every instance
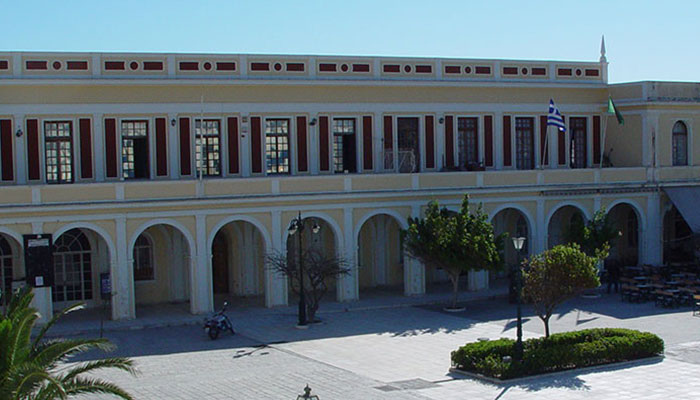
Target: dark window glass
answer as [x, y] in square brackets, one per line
[524, 143]
[207, 147]
[467, 142]
[344, 149]
[58, 152]
[277, 146]
[135, 153]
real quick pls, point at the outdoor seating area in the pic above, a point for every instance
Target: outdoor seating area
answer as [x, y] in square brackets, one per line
[666, 286]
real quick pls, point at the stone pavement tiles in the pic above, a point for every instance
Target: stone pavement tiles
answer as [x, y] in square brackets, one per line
[400, 353]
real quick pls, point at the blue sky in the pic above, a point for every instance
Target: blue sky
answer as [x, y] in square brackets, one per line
[646, 40]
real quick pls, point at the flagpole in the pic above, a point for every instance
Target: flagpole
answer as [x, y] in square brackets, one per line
[545, 149]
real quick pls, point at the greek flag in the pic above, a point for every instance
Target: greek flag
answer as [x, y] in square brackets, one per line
[554, 118]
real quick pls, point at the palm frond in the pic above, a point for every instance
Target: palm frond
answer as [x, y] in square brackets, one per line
[81, 385]
[45, 328]
[121, 363]
[62, 349]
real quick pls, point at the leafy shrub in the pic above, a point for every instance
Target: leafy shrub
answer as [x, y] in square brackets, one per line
[558, 352]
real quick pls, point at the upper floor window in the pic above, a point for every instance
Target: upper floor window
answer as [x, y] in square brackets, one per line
[467, 142]
[143, 259]
[135, 150]
[277, 146]
[58, 143]
[524, 143]
[578, 142]
[680, 144]
[208, 147]
[409, 144]
[344, 149]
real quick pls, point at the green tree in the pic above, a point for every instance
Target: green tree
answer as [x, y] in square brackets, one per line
[594, 237]
[557, 275]
[455, 242]
[36, 370]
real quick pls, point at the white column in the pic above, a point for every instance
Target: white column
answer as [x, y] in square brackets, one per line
[201, 297]
[20, 152]
[440, 141]
[652, 233]
[348, 285]
[99, 147]
[245, 145]
[477, 280]
[378, 142]
[414, 271]
[123, 300]
[173, 147]
[276, 286]
[42, 295]
[540, 229]
[314, 162]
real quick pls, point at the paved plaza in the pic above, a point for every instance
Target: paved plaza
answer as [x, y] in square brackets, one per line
[393, 348]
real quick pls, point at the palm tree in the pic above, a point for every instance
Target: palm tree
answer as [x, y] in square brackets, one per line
[36, 370]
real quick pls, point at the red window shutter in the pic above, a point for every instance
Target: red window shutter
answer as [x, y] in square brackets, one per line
[388, 133]
[449, 142]
[562, 145]
[232, 124]
[543, 139]
[33, 169]
[185, 161]
[507, 158]
[85, 148]
[429, 141]
[323, 143]
[301, 145]
[7, 162]
[596, 139]
[256, 141]
[488, 140]
[111, 147]
[367, 142]
[161, 147]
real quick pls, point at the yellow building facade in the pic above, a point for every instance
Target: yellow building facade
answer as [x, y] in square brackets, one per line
[175, 174]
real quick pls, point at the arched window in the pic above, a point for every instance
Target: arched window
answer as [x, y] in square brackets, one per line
[72, 264]
[680, 144]
[143, 259]
[5, 270]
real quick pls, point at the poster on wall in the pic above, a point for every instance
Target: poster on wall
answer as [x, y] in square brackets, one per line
[38, 260]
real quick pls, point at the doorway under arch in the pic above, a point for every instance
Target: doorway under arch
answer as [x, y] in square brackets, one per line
[559, 223]
[379, 255]
[238, 264]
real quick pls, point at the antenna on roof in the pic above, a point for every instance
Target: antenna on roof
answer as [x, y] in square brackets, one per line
[602, 50]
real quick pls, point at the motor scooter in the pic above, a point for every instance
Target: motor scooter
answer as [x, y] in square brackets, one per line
[218, 322]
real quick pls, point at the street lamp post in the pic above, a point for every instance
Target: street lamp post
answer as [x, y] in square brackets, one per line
[518, 244]
[297, 227]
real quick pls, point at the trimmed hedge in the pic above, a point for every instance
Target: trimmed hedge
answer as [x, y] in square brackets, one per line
[561, 351]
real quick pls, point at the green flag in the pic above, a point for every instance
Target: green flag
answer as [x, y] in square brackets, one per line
[613, 110]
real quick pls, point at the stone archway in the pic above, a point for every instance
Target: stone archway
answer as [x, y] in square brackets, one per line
[679, 240]
[161, 260]
[380, 257]
[625, 250]
[80, 257]
[325, 242]
[559, 223]
[238, 264]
